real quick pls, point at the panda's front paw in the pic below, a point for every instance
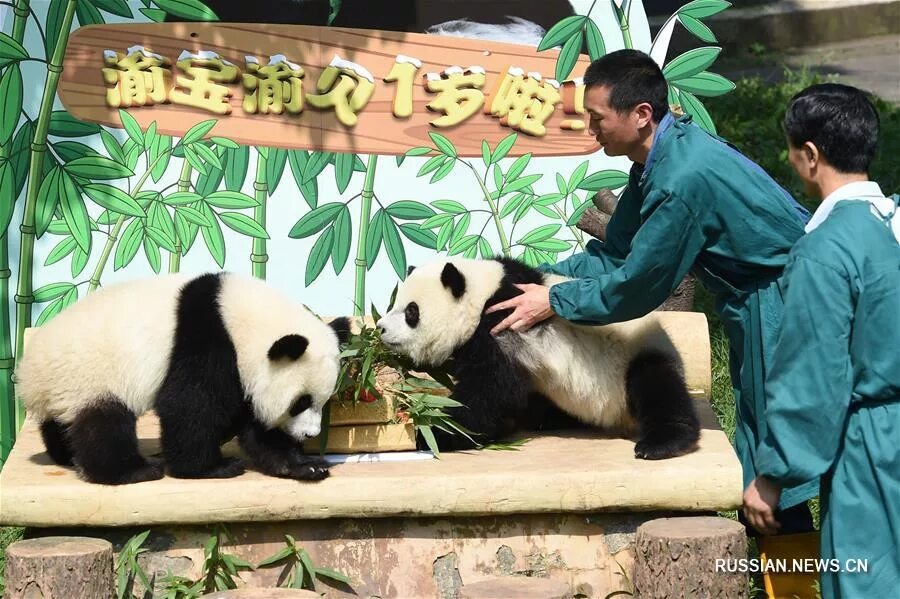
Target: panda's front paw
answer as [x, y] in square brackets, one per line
[309, 469]
[661, 447]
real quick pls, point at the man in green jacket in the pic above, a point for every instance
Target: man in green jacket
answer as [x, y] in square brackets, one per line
[833, 386]
[695, 204]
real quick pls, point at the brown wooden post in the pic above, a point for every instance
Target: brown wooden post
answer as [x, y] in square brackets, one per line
[677, 557]
[60, 568]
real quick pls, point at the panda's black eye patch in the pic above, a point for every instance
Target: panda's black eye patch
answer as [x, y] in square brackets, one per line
[300, 405]
[412, 314]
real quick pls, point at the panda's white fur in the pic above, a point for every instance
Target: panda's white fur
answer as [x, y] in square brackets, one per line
[581, 369]
[118, 341]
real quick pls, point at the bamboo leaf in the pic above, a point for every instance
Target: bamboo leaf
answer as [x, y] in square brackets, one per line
[485, 153]
[243, 224]
[698, 28]
[79, 261]
[154, 14]
[409, 210]
[192, 10]
[160, 154]
[52, 291]
[316, 164]
[343, 170]
[485, 249]
[444, 234]
[705, 84]
[552, 245]
[561, 32]
[298, 160]
[191, 215]
[206, 154]
[460, 246]
[443, 144]
[518, 167]
[113, 198]
[431, 164]
[568, 56]
[232, 200]
[49, 312]
[315, 221]
[20, 155]
[540, 234]
[88, 14]
[112, 145]
[74, 211]
[419, 236]
[576, 215]
[63, 124]
[436, 221]
[608, 179]
[52, 28]
[71, 150]
[521, 183]
[596, 47]
[690, 63]
[334, 575]
[199, 130]
[11, 100]
[511, 205]
[181, 198]
[128, 244]
[504, 147]
[11, 50]
[318, 256]
[698, 112]
[186, 230]
[237, 161]
[342, 238]
[7, 199]
[151, 250]
[131, 127]
[97, 167]
[213, 237]
[274, 559]
[700, 9]
[575, 180]
[275, 168]
[307, 565]
[451, 206]
[224, 142]
[116, 7]
[374, 236]
[428, 435]
[444, 170]
[393, 245]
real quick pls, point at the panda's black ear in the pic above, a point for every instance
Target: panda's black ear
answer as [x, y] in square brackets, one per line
[409, 270]
[341, 326]
[453, 280]
[289, 346]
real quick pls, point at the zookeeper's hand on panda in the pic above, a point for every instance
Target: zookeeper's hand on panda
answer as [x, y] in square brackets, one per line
[760, 500]
[529, 308]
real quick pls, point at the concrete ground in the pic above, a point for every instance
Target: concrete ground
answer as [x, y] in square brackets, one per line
[872, 64]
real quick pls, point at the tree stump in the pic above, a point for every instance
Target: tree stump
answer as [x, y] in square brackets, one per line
[60, 568]
[263, 593]
[520, 587]
[688, 557]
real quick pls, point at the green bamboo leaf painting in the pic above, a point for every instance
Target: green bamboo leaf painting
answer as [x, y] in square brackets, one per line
[548, 199]
[79, 261]
[437, 220]
[191, 215]
[208, 181]
[700, 9]
[207, 155]
[521, 183]
[224, 142]
[313, 222]
[97, 167]
[518, 166]
[608, 179]
[116, 7]
[690, 63]
[545, 211]
[443, 144]
[451, 206]
[318, 256]
[444, 170]
[11, 50]
[232, 200]
[7, 199]
[568, 56]
[237, 160]
[705, 84]
[576, 178]
[49, 312]
[70, 150]
[151, 250]
[74, 212]
[485, 153]
[52, 26]
[112, 145]
[195, 161]
[128, 245]
[160, 219]
[113, 198]
[561, 32]
[63, 124]
[19, 155]
[154, 14]
[186, 230]
[552, 245]
[540, 234]
[198, 131]
[373, 239]
[419, 236]
[343, 170]
[462, 245]
[512, 204]
[187, 9]
[484, 249]
[159, 239]
[88, 14]
[504, 147]
[596, 47]
[698, 112]
[697, 28]
[132, 128]
[316, 164]
[343, 235]
[523, 209]
[181, 198]
[212, 235]
[52, 291]
[432, 164]
[243, 224]
[393, 245]
[460, 228]
[561, 183]
[11, 100]
[409, 210]
[444, 234]
[576, 215]
[160, 154]
[275, 168]
[61, 250]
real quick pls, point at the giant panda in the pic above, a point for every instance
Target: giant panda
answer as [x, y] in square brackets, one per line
[624, 378]
[216, 355]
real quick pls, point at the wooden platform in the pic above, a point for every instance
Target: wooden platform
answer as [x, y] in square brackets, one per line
[577, 472]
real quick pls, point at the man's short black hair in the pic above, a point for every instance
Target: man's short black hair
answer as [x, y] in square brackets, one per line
[632, 78]
[840, 120]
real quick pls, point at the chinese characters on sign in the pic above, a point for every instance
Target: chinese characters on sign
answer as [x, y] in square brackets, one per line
[522, 101]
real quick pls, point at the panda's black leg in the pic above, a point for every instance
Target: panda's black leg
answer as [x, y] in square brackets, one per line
[104, 445]
[190, 442]
[54, 434]
[275, 453]
[659, 401]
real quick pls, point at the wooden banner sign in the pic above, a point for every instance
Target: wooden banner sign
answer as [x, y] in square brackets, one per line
[325, 88]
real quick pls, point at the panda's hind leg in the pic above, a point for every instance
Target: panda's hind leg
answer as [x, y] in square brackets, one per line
[660, 403]
[55, 436]
[103, 440]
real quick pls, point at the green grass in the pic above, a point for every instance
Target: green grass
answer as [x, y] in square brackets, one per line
[8, 536]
